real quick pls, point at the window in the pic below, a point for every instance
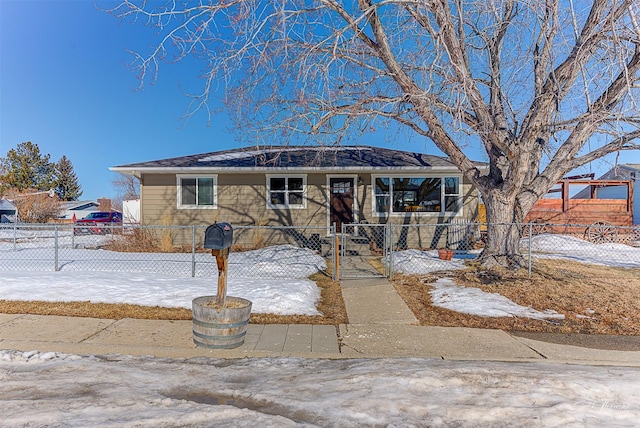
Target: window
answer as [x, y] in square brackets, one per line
[197, 191]
[286, 191]
[417, 194]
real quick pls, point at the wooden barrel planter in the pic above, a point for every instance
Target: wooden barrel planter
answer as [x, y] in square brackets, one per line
[220, 327]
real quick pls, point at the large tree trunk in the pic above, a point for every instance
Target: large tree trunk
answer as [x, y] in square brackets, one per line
[504, 227]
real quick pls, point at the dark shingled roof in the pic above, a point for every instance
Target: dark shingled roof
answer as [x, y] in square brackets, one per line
[297, 157]
[5, 205]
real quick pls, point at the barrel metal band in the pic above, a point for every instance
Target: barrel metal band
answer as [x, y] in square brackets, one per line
[205, 345]
[221, 338]
[212, 325]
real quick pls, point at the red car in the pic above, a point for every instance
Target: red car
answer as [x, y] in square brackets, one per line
[94, 223]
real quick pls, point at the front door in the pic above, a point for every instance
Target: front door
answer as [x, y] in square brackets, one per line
[341, 201]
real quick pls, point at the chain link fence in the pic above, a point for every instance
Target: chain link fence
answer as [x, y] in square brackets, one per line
[172, 250]
[424, 248]
[355, 251]
[363, 247]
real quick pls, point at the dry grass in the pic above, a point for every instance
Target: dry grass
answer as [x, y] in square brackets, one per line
[138, 240]
[331, 305]
[594, 299]
[93, 310]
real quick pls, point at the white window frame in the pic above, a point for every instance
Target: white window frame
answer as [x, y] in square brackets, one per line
[195, 206]
[390, 211]
[286, 205]
[458, 194]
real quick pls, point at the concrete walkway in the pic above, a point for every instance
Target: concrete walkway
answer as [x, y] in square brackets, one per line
[380, 326]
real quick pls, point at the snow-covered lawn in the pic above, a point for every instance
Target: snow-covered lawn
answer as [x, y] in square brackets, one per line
[49, 389]
[542, 246]
[273, 278]
[474, 301]
[426, 261]
[578, 250]
[471, 300]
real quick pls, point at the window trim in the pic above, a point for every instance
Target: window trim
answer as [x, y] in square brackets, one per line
[286, 206]
[391, 213]
[458, 193]
[181, 206]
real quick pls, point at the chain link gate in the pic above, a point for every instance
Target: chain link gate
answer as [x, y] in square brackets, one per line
[364, 251]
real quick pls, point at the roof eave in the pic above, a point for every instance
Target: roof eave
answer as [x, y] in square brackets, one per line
[261, 170]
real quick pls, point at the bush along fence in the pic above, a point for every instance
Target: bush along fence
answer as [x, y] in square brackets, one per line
[352, 251]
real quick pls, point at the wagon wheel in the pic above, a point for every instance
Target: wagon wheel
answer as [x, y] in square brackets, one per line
[601, 232]
[538, 226]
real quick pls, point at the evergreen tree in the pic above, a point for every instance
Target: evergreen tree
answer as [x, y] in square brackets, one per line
[66, 181]
[26, 168]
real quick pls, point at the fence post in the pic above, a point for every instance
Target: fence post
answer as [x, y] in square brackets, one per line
[193, 251]
[336, 256]
[530, 235]
[15, 232]
[55, 246]
[389, 248]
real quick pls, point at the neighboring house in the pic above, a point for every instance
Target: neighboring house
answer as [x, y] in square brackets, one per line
[302, 186]
[7, 211]
[81, 209]
[78, 208]
[631, 172]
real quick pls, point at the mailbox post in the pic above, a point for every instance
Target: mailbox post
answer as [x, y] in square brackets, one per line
[219, 237]
[220, 321]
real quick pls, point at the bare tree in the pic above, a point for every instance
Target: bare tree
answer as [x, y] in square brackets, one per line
[541, 86]
[126, 187]
[35, 206]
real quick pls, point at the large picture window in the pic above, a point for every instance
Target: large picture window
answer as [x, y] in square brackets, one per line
[286, 191]
[197, 191]
[417, 194]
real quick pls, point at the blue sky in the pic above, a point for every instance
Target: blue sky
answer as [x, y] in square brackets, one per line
[65, 86]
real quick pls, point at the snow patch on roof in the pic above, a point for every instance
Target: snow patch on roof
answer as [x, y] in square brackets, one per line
[253, 153]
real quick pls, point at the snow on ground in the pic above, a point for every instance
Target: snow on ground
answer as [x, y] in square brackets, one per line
[273, 278]
[470, 300]
[578, 250]
[49, 389]
[474, 301]
[273, 296]
[420, 262]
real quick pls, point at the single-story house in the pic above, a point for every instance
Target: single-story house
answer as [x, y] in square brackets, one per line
[302, 186]
[79, 209]
[627, 171]
[7, 211]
